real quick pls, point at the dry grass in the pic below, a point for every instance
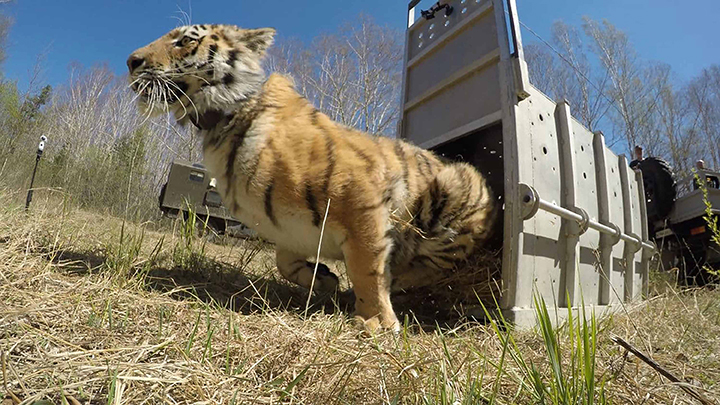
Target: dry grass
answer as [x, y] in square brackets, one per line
[86, 318]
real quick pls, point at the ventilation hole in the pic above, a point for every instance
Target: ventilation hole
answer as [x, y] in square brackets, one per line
[553, 168]
[615, 193]
[541, 117]
[544, 150]
[535, 159]
[584, 175]
[612, 170]
[582, 148]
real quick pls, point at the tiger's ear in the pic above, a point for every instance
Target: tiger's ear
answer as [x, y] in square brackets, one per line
[257, 40]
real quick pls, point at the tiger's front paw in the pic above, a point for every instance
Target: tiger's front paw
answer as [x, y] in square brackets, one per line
[386, 321]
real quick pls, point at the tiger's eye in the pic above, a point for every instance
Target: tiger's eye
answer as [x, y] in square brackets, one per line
[185, 41]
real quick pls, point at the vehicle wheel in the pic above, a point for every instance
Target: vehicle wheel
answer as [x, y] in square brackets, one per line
[660, 188]
[217, 225]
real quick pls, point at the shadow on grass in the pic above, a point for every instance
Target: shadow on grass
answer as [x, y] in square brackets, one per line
[224, 285]
[78, 262]
[208, 280]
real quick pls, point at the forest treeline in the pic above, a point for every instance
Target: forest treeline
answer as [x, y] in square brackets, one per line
[633, 101]
[103, 155]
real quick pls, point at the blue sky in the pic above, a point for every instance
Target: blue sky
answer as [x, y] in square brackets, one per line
[681, 33]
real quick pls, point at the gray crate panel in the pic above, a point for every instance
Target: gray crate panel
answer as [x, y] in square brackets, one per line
[469, 44]
[467, 77]
[457, 105]
[539, 161]
[616, 216]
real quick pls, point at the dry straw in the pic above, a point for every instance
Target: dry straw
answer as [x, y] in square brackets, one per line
[222, 328]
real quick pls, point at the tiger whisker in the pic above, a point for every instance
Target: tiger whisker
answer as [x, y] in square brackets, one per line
[151, 101]
[197, 114]
[174, 95]
[191, 75]
[140, 91]
[166, 83]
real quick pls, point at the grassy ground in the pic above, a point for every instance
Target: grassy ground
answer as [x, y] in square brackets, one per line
[92, 311]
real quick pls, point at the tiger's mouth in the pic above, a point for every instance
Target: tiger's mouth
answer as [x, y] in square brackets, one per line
[157, 92]
[143, 90]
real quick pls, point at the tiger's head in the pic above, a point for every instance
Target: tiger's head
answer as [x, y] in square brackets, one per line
[197, 68]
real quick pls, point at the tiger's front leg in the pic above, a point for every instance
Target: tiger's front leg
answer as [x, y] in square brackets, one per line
[369, 273]
[296, 269]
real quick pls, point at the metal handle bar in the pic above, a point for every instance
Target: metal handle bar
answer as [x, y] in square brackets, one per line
[532, 203]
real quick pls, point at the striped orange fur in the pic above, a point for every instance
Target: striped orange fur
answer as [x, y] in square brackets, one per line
[397, 215]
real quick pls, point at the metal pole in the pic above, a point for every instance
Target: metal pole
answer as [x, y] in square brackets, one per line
[41, 147]
[567, 214]
[32, 180]
[532, 202]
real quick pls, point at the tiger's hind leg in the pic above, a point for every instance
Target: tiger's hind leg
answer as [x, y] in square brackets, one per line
[455, 216]
[295, 268]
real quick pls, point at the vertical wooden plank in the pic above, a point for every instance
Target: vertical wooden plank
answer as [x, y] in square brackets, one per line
[512, 240]
[570, 241]
[617, 212]
[629, 250]
[401, 122]
[586, 197]
[539, 165]
[646, 254]
[606, 242]
[641, 265]
[522, 77]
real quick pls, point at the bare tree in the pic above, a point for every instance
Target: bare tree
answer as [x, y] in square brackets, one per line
[607, 83]
[5, 25]
[352, 75]
[563, 71]
[669, 133]
[628, 82]
[584, 87]
[542, 67]
[703, 96]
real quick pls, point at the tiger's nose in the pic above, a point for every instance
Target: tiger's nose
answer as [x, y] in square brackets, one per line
[134, 62]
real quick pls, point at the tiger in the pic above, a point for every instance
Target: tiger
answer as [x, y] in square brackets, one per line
[396, 214]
